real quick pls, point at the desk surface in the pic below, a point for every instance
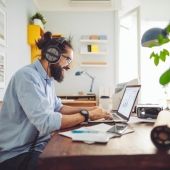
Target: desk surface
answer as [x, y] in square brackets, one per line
[131, 151]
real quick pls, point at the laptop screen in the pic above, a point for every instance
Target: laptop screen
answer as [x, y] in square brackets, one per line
[128, 100]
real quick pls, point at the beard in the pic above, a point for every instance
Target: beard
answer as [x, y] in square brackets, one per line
[57, 72]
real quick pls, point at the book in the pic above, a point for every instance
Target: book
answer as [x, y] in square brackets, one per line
[94, 48]
[89, 48]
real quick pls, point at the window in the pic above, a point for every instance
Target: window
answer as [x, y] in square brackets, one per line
[128, 60]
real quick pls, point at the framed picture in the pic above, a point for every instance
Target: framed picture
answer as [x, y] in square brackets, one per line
[3, 2]
[2, 69]
[3, 27]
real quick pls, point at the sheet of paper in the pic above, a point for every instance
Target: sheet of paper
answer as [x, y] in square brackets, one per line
[89, 137]
[102, 127]
[101, 136]
[69, 133]
[138, 120]
[93, 137]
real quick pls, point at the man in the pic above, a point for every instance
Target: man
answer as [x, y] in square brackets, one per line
[30, 109]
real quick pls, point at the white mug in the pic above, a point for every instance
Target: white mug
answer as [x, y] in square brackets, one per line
[104, 101]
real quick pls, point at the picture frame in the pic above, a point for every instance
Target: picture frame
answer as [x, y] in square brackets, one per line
[3, 2]
[3, 27]
[3, 62]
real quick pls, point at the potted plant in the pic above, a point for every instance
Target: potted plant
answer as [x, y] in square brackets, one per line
[70, 38]
[39, 19]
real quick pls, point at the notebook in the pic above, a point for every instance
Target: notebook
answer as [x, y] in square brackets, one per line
[126, 105]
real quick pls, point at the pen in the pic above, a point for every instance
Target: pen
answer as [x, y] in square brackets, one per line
[83, 131]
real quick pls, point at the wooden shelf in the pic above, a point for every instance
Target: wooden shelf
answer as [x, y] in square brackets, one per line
[78, 100]
[93, 53]
[93, 41]
[93, 65]
[34, 33]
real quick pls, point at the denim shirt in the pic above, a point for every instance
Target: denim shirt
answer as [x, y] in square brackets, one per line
[29, 105]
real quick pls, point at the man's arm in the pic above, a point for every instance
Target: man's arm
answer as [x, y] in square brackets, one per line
[68, 110]
[77, 118]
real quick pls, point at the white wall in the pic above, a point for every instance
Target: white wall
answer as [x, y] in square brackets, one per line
[78, 24]
[18, 51]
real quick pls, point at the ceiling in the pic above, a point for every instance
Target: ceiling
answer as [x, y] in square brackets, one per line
[65, 5]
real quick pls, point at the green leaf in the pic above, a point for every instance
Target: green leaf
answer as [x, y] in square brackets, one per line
[168, 29]
[160, 39]
[162, 56]
[165, 78]
[164, 41]
[152, 55]
[166, 52]
[156, 60]
[152, 45]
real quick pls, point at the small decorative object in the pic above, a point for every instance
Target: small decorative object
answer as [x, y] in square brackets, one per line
[102, 37]
[94, 37]
[39, 19]
[85, 37]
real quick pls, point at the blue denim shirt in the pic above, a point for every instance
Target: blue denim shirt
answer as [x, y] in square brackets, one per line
[29, 104]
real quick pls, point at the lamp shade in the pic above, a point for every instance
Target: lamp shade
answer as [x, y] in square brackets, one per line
[78, 73]
[151, 36]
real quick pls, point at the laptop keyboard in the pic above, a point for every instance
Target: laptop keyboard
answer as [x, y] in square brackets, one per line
[115, 117]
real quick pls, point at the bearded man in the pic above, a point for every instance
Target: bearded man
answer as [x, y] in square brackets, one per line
[31, 110]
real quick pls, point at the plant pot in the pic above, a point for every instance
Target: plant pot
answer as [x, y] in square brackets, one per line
[38, 22]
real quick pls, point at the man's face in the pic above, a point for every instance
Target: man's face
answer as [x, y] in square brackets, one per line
[57, 70]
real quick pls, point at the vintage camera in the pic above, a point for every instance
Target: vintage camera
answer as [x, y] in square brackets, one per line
[148, 111]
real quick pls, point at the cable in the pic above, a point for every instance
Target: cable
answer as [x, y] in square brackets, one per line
[25, 162]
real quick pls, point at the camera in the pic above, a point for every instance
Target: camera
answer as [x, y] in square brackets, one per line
[148, 111]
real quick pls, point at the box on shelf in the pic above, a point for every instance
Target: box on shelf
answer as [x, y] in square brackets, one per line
[85, 37]
[94, 48]
[102, 37]
[94, 37]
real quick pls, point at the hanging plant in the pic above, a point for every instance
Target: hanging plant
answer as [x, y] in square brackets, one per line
[165, 77]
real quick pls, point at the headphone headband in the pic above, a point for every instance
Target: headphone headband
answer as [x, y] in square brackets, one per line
[60, 40]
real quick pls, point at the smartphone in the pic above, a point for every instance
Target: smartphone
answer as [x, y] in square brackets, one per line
[121, 128]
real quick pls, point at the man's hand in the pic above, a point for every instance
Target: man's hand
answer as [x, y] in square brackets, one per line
[99, 113]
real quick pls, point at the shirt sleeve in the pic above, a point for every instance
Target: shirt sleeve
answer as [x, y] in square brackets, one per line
[58, 104]
[35, 104]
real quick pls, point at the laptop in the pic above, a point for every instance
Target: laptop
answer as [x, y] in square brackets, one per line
[126, 105]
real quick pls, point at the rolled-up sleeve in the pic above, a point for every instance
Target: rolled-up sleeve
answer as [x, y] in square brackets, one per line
[58, 104]
[36, 105]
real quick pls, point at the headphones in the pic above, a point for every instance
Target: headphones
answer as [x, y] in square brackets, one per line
[53, 53]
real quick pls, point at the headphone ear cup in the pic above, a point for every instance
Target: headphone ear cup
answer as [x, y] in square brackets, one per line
[52, 55]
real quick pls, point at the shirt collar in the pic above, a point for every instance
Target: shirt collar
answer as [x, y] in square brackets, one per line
[41, 70]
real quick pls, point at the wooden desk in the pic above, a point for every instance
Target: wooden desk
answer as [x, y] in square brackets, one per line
[134, 151]
[78, 100]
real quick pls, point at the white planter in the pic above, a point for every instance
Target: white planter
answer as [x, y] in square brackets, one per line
[38, 22]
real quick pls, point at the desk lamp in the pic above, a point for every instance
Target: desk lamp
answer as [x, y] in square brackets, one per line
[79, 73]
